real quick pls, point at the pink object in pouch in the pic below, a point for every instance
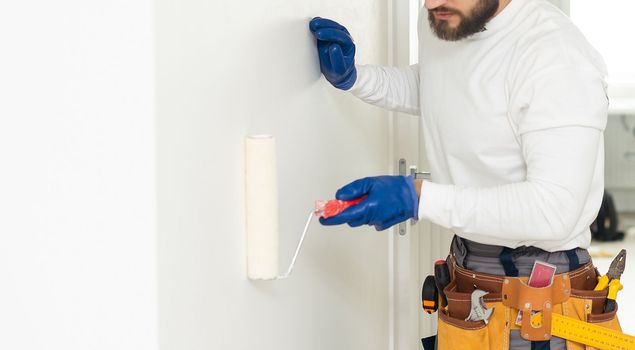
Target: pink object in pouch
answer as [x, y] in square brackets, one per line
[541, 276]
[330, 208]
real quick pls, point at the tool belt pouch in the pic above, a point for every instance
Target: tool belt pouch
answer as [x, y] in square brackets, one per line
[536, 304]
[571, 294]
[454, 332]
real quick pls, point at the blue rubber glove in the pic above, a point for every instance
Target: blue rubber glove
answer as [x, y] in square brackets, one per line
[336, 51]
[391, 200]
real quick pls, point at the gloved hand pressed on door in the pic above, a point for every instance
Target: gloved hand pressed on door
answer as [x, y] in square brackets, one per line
[336, 51]
[391, 200]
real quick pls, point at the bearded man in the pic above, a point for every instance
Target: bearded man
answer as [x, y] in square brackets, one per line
[513, 105]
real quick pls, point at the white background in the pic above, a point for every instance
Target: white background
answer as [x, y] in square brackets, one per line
[77, 203]
[608, 27]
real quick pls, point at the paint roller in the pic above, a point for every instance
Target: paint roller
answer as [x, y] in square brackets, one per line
[261, 198]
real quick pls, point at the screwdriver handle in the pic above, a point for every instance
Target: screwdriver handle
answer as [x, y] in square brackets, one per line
[442, 279]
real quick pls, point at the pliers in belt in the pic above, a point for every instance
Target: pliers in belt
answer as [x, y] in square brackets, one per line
[612, 280]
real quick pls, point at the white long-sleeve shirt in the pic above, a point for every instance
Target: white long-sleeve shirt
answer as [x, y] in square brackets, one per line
[513, 121]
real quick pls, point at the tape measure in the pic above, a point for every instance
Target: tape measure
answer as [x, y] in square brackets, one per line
[590, 334]
[429, 295]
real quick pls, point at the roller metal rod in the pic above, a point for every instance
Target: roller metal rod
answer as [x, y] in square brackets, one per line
[297, 249]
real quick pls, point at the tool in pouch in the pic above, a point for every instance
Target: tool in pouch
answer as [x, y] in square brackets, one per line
[589, 334]
[478, 310]
[432, 295]
[433, 287]
[429, 295]
[541, 276]
[539, 323]
[612, 280]
[442, 279]
[536, 304]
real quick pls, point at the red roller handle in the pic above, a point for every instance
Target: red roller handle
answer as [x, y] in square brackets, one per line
[330, 208]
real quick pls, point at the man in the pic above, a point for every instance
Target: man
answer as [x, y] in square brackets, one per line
[513, 103]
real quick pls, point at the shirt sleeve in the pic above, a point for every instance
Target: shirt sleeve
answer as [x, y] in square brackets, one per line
[544, 207]
[558, 83]
[558, 110]
[392, 88]
[556, 97]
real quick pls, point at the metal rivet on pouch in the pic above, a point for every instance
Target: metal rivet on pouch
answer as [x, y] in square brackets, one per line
[526, 335]
[506, 281]
[546, 336]
[527, 305]
[548, 305]
[474, 276]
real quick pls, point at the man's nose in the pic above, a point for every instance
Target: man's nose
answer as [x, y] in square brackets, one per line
[432, 4]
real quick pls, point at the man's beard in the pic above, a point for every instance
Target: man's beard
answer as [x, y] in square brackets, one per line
[473, 23]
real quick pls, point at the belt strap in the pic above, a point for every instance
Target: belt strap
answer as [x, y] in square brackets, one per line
[574, 262]
[541, 345]
[507, 262]
[506, 259]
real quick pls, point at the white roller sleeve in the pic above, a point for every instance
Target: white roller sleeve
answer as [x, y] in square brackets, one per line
[261, 192]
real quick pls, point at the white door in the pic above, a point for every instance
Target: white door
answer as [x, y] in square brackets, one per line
[411, 251]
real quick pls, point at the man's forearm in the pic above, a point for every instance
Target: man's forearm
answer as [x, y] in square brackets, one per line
[393, 88]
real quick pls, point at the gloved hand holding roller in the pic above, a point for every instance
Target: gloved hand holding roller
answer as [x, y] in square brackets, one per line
[389, 201]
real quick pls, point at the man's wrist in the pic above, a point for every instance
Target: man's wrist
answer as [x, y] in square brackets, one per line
[418, 185]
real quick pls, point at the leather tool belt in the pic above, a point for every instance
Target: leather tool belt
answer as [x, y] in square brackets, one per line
[571, 294]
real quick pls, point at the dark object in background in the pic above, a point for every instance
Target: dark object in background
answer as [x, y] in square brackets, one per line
[604, 228]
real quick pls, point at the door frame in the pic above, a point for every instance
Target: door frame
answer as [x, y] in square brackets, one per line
[410, 255]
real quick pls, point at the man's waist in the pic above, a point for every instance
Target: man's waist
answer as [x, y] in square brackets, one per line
[487, 258]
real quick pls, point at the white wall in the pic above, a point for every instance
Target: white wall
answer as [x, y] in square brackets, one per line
[77, 209]
[226, 69]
